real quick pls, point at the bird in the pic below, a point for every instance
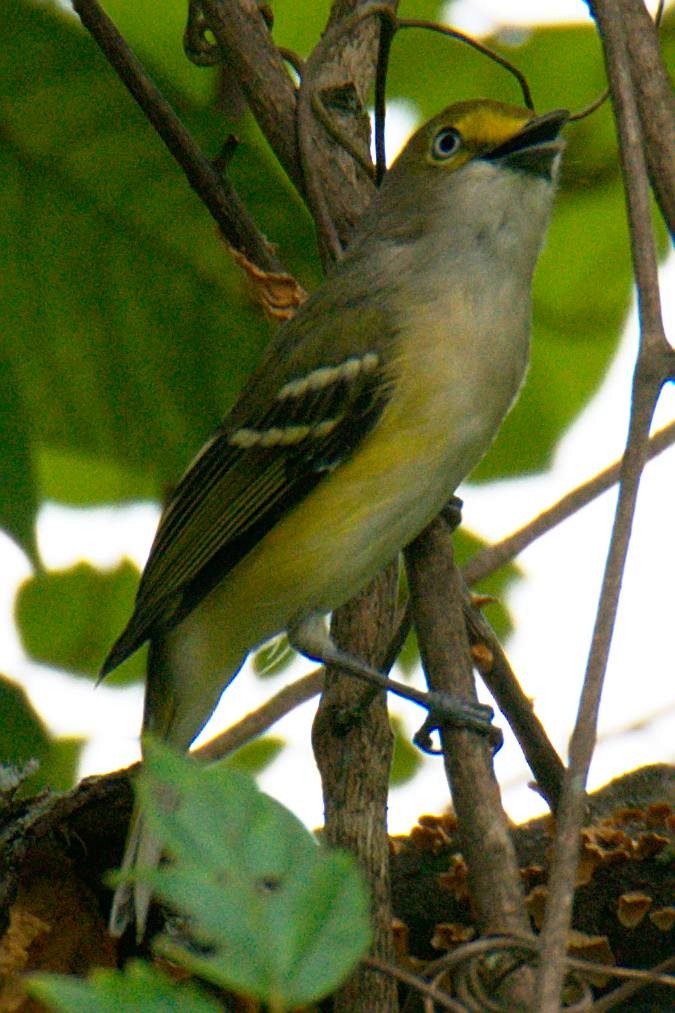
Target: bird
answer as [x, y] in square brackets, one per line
[367, 410]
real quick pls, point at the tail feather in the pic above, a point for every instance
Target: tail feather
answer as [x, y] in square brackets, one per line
[131, 901]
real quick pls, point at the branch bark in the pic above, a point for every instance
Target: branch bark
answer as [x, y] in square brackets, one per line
[653, 364]
[353, 746]
[245, 40]
[655, 102]
[436, 595]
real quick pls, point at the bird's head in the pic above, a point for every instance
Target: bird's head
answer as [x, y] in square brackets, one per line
[479, 171]
[484, 130]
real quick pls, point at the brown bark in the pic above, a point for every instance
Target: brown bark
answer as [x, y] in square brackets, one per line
[354, 754]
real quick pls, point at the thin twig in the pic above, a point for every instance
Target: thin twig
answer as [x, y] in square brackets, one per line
[646, 385]
[217, 193]
[586, 110]
[436, 595]
[480, 47]
[490, 559]
[387, 32]
[498, 676]
[626, 991]
[654, 976]
[259, 720]
[415, 982]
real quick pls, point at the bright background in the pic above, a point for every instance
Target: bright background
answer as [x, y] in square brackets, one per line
[552, 608]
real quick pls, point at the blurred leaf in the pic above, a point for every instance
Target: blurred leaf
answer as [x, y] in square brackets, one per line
[128, 327]
[139, 987]
[23, 737]
[407, 760]
[22, 733]
[70, 618]
[78, 479]
[256, 756]
[18, 495]
[273, 658]
[275, 915]
[409, 656]
[59, 767]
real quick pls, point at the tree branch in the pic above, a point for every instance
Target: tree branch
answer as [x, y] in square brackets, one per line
[259, 720]
[436, 597]
[653, 358]
[655, 102]
[353, 746]
[354, 760]
[333, 122]
[216, 192]
[489, 559]
[247, 46]
[491, 661]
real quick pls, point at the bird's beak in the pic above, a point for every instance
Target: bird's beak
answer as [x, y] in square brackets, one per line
[534, 148]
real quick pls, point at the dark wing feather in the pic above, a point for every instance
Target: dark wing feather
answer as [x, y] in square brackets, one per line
[232, 495]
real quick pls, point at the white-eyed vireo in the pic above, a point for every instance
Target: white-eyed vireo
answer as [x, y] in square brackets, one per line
[367, 410]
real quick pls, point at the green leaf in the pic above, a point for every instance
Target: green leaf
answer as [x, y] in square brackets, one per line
[127, 326]
[70, 618]
[256, 756]
[23, 737]
[18, 493]
[273, 658]
[407, 760]
[275, 915]
[138, 987]
[22, 734]
[81, 479]
[59, 766]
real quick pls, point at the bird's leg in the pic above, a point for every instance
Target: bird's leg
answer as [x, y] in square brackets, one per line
[310, 637]
[452, 512]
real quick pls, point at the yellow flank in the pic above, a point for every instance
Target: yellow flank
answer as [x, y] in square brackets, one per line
[359, 516]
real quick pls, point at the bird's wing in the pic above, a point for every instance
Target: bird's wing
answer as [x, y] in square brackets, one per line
[244, 480]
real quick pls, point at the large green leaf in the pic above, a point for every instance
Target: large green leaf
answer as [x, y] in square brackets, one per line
[70, 618]
[126, 325]
[275, 915]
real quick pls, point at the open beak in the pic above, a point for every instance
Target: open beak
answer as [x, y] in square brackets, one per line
[535, 148]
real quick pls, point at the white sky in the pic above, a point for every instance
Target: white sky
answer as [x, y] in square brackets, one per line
[553, 607]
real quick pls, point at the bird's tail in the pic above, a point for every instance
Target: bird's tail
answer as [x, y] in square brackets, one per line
[175, 718]
[131, 901]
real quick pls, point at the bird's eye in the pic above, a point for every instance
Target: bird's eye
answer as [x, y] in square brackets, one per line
[446, 143]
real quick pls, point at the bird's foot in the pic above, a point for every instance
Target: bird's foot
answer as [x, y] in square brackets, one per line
[310, 637]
